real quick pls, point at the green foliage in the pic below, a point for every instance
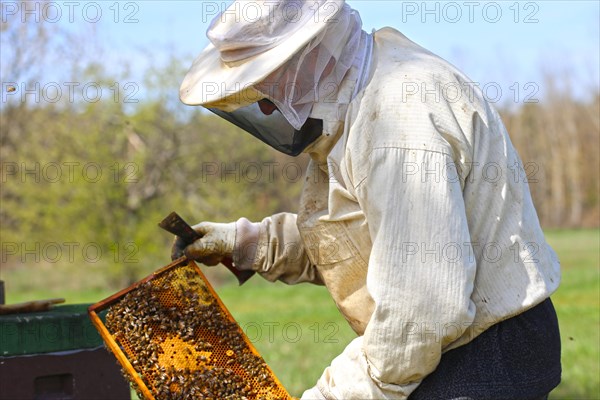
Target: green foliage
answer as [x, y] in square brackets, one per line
[87, 185]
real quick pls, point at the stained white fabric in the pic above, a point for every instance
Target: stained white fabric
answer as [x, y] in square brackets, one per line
[417, 217]
[314, 74]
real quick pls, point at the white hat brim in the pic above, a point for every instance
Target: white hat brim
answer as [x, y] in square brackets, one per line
[210, 79]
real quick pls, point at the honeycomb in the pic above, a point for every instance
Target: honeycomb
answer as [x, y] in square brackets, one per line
[175, 339]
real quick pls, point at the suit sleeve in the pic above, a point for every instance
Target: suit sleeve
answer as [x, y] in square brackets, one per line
[274, 249]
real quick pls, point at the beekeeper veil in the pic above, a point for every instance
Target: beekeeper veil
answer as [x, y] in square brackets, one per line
[317, 44]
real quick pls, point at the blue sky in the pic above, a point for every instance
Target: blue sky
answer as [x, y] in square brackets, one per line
[507, 43]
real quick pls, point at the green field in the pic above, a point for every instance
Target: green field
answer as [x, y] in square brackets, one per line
[577, 303]
[298, 329]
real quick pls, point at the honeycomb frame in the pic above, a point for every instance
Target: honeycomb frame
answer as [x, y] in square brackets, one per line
[174, 338]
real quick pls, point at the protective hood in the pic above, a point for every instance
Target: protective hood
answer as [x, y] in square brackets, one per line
[315, 73]
[273, 129]
[313, 86]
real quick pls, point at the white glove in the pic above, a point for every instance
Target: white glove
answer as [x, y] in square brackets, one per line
[217, 242]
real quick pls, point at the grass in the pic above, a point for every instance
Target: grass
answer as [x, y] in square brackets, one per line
[299, 331]
[577, 303]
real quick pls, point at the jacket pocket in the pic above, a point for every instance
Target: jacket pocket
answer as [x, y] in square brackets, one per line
[343, 269]
[328, 243]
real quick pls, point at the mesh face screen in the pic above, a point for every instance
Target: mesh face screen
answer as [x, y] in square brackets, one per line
[176, 340]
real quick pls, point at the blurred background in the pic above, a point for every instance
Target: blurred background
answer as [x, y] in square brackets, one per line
[95, 149]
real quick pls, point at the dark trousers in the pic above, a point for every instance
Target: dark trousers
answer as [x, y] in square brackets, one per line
[470, 398]
[516, 359]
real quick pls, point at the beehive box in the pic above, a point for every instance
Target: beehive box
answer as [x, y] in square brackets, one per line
[175, 339]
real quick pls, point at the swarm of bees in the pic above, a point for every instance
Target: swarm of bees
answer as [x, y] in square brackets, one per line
[183, 345]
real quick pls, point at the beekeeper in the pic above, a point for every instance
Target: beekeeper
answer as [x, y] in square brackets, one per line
[415, 212]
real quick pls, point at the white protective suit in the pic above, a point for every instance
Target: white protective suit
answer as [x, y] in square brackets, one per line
[417, 217]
